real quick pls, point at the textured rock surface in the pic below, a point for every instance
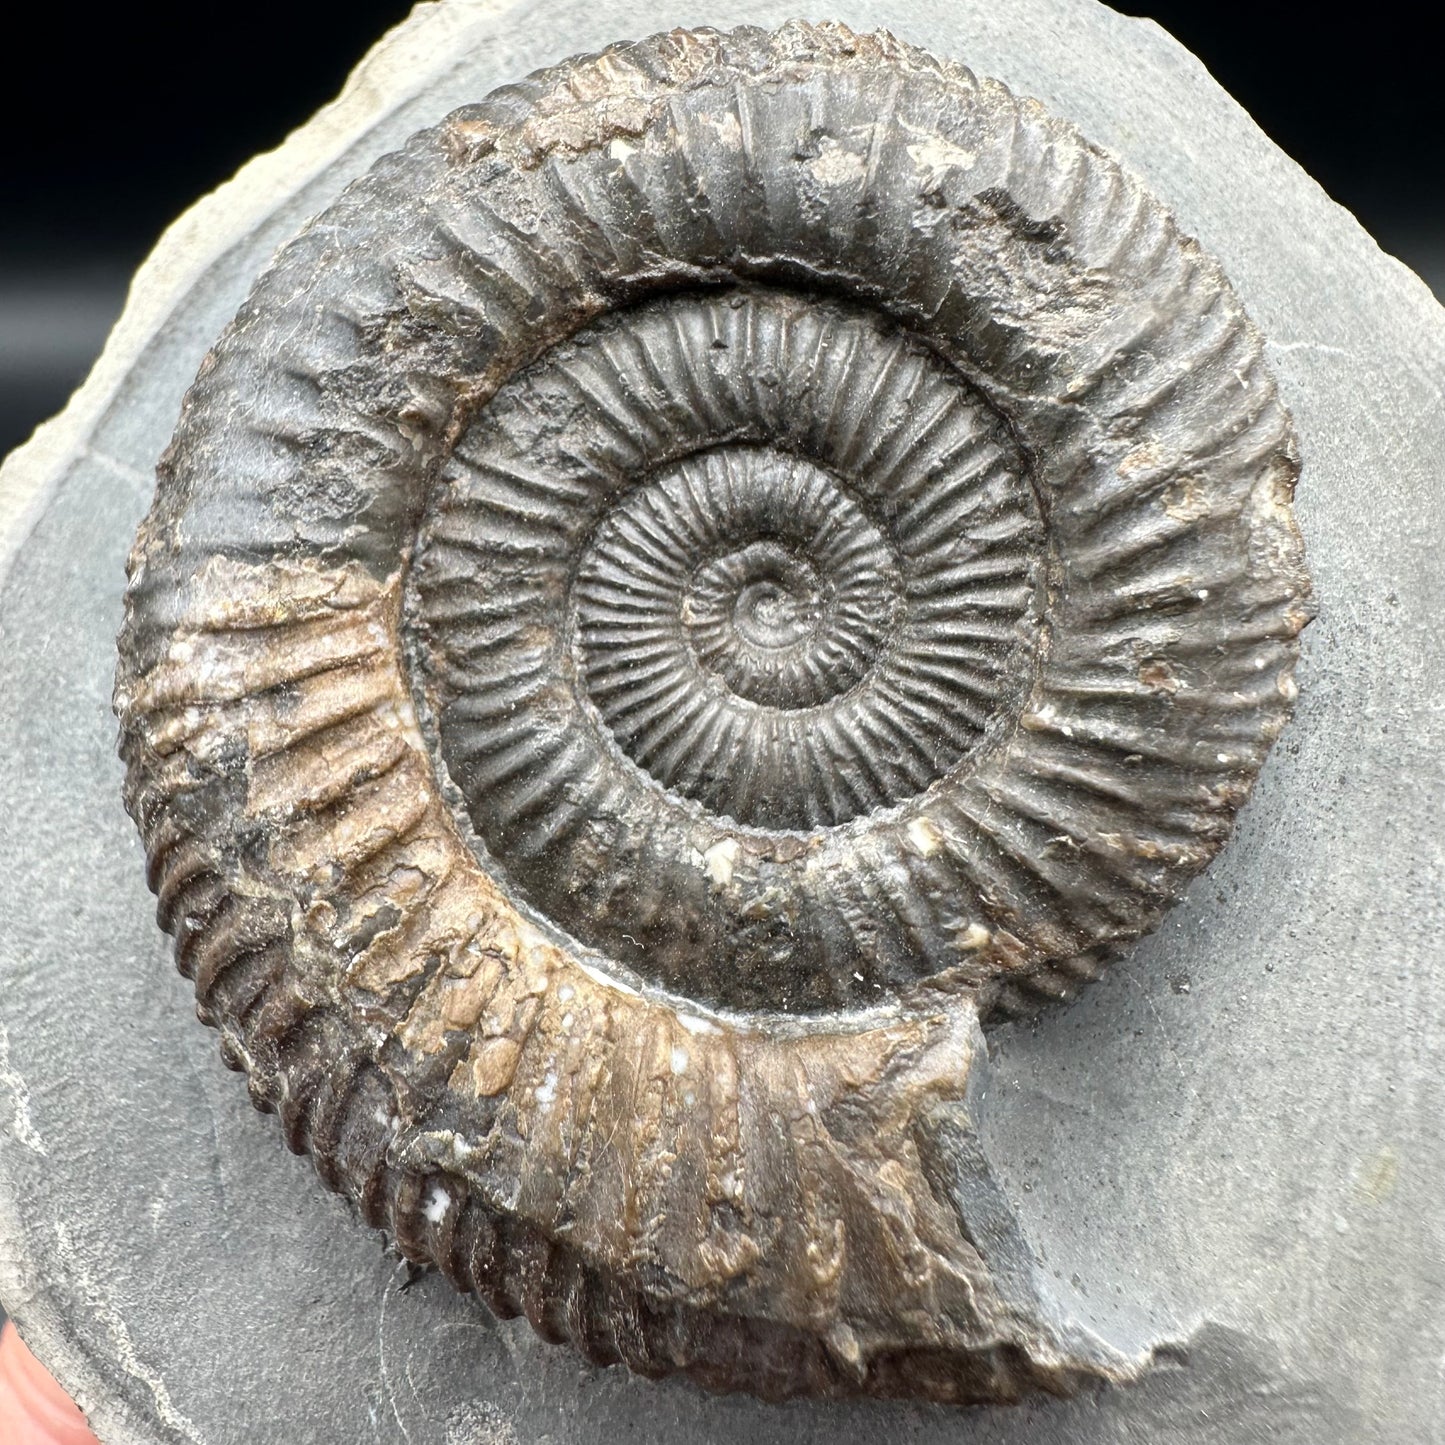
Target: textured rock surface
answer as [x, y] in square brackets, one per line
[1277, 1024]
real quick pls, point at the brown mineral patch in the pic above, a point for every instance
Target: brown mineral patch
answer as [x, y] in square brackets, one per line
[1189, 500]
[1145, 458]
[493, 1064]
[1155, 673]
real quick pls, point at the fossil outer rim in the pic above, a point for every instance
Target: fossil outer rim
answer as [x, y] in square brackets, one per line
[759, 1207]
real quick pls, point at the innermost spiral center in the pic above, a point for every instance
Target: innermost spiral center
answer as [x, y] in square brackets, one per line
[781, 607]
[726, 609]
[763, 619]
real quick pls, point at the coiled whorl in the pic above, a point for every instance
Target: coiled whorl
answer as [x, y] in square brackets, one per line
[691, 582]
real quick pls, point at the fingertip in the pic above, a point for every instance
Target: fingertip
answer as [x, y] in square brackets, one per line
[34, 1410]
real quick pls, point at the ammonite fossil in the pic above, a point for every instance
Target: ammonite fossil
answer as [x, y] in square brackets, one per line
[690, 585]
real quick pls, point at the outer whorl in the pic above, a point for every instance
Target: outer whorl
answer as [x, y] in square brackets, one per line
[692, 582]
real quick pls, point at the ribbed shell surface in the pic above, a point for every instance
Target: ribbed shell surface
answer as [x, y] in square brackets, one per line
[693, 581]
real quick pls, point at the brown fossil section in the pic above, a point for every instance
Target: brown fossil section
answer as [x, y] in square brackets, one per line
[689, 585]
[511, 1114]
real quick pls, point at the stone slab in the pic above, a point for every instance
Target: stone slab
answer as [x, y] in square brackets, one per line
[1232, 1141]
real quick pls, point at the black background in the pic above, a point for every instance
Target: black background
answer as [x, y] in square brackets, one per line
[117, 118]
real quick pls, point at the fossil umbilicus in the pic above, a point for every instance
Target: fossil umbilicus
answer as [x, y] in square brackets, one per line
[693, 583]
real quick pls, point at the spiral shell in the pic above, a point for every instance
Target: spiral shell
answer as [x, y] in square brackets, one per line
[688, 585]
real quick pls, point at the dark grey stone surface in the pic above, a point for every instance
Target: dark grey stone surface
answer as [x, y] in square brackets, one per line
[1232, 1140]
